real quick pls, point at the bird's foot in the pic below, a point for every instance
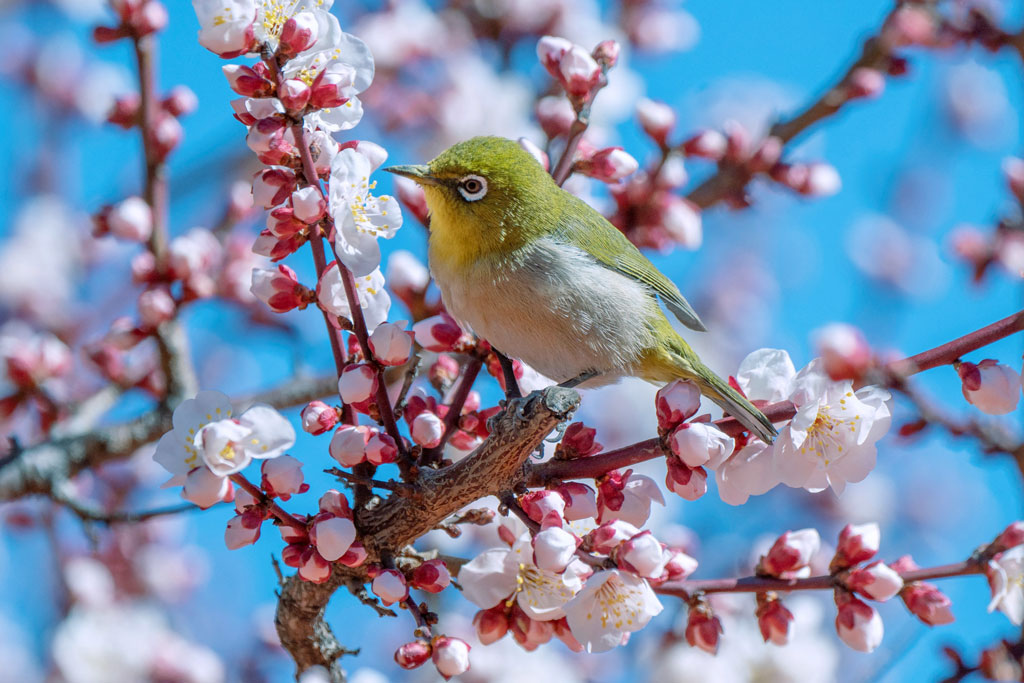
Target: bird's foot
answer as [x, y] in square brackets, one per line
[579, 379]
[559, 432]
[508, 373]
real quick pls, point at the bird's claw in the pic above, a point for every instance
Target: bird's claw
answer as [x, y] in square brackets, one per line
[559, 432]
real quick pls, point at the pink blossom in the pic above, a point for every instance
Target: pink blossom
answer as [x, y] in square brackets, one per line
[391, 344]
[608, 536]
[554, 548]
[578, 441]
[545, 507]
[205, 489]
[656, 118]
[708, 144]
[371, 295]
[857, 543]
[357, 385]
[581, 501]
[690, 483]
[413, 655]
[427, 429]
[431, 576]
[298, 34]
[877, 581]
[927, 603]
[844, 351]
[703, 629]
[156, 306]
[774, 620]
[272, 186]
[226, 26]
[246, 82]
[131, 219]
[437, 333]
[406, 274]
[282, 477]
[318, 417]
[857, 623]
[791, 552]
[491, 624]
[381, 449]
[241, 531]
[699, 443]
[991, 386]
[676, 402]
[348, 445]
[451, 656]
[294, 94]
[643, 555]
[278, 288]
[389, 585]
[333, 536]
[313, 567]
[608, 165]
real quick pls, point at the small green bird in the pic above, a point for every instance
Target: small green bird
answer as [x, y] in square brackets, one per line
[545, 278]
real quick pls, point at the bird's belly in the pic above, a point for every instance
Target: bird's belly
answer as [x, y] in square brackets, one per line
[555, 308]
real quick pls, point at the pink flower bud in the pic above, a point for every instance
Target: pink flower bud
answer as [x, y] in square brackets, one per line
[150, 17]
[865, 82]
[681, 219]
[165, 135]
[554, 548]
[413, 655]
[246, 82]
[877, 581]
[272, 187]
[822, 181]
[348, 445]
[555, 115]
[679, 565]
[491, 624]
[857, 543]
[205, 489]
[676, 402]
[766, 155]
[578, 72]
[579, 441]
[391, 344]
[131, 219]
[355, 556]
[308, 205]
[607, 53]
[605, 538]
[282, 223]
[298, 33]
[536, 152]
[699, 443]
[282, 477]
[294, 94]
[1013, 169]
[774, 620]
[544, 507]
[451, 656]
[582, 501]
[992, 387]
[334, 503]
[278, 288]
[180, 101]
[318, 417]
[909, 26]
[1010, 537]
[550, 51]
[332, 537]
[643, 555]
[844, 351]
[857, 623]
[313, 567]
[707, 144]
[156, 306]
[927, 603]
[703, 629]
[529, 633]
[689, 483]
[125, 112]
[791, 552]
[334, 86]
[431, 576]
[608, 165]
[381, 449]
[656, 118]
[389, 585]
[437, 333]
[240, 532]
[427, 429]
[357, 385]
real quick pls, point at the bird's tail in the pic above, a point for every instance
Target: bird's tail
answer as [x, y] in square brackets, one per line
[730, 400]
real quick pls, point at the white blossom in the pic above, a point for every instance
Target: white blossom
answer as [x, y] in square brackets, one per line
[610, 605]
[360, 218]
[373, 298]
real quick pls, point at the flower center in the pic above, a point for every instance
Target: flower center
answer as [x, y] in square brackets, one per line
[826, 435]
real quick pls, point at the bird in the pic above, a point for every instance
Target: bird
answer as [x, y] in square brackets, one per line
[545, 278]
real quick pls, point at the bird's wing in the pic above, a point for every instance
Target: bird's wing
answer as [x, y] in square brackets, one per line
[587, 229]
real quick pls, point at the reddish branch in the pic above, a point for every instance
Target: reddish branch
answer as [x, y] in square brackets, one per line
[451, 419]
[758, 584]
[267, 502]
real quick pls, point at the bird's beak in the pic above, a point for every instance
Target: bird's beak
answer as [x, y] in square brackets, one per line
[418, 172]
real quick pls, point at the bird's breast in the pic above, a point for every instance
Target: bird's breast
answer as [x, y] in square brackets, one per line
[552, 306]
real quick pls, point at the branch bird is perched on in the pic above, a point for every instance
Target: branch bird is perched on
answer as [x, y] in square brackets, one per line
[545, 278]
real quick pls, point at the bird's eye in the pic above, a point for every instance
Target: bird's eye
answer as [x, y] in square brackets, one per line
[472, 188]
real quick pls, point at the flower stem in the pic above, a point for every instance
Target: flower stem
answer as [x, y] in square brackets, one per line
[276, 510]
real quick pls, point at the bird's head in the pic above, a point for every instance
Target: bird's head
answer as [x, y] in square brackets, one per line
[484, 189]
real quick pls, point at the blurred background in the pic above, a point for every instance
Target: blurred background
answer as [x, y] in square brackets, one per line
[921, 182]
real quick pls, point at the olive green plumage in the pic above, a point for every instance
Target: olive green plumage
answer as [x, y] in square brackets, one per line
[547, 279]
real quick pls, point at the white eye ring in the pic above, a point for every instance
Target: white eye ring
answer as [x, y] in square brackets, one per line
[472, 187]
